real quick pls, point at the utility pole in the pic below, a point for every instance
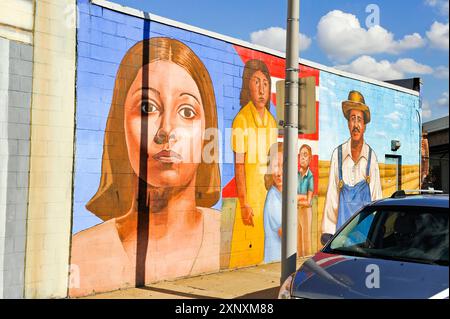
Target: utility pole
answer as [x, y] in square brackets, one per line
[290, 140]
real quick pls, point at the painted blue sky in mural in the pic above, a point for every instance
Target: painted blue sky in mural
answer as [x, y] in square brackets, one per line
[411, 39]
[399, 122]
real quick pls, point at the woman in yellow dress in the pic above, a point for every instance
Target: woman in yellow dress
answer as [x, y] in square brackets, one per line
[254, 131]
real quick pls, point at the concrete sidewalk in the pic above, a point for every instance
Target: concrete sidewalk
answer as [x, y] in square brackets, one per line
[258, 282]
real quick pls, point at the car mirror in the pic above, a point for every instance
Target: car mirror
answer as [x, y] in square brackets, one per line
[325, 238]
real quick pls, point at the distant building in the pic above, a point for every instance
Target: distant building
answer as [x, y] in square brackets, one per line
[437, 136]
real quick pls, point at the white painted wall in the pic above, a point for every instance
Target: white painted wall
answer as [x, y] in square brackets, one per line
[4, 83]
[52, 137]
[16, 20]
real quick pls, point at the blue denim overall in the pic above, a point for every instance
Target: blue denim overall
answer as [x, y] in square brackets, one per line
[352, 198]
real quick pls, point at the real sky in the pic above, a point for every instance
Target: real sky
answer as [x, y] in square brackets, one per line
[380, 39]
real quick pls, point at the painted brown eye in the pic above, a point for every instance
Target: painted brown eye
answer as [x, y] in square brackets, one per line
[187, 112]
[149, 108]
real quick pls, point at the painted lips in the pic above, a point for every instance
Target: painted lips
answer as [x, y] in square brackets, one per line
[167, 156]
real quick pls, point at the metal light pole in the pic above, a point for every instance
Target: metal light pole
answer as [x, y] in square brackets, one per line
[290, 160]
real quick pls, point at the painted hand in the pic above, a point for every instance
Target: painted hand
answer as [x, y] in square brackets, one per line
[247, 215]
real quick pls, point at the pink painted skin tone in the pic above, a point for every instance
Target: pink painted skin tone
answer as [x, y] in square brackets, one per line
[357, 127]
[259, 91]
[259, 94]
[276, 167]
[173, 106]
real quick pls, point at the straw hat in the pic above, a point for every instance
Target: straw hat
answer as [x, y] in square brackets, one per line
[356, 102]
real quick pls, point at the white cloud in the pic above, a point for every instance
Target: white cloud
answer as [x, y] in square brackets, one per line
[429, 108]
[341, 36]
[426, 109]
[412, 67]
[438, 35]
[385, 70]
[443, 101]
[275, 38]
[441, 72]
[441, 5]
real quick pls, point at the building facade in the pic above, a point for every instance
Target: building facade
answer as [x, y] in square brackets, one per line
[136, 149]
[437, 158]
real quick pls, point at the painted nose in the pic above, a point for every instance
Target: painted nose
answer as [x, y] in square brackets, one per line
[261, 90]
[161, 137]
[165, 132]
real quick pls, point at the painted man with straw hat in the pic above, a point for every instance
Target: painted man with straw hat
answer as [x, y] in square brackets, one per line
[354, 178]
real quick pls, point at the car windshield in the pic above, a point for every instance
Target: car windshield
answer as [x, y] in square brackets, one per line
[399, 233]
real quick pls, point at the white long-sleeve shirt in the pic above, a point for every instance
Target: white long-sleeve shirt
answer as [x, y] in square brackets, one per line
[352, 173]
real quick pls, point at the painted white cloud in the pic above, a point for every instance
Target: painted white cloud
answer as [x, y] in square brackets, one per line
[441, 5]
[341, 36]
[275, 38]
[394, 118]
[441, 72]
[426, 109]
[385, 70]
[443, 100]
[381, 134]
[438, 35]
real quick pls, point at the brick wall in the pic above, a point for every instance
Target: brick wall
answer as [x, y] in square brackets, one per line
[16, 55]
[50, 186]
[106, 33]
[38, 69]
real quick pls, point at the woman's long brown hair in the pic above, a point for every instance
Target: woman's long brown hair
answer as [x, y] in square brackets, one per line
[117, 183]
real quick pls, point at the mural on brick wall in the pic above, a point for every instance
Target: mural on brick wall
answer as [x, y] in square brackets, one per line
[354, 178]
[178, 167]
[253, 235]
[365, 119]
[254, 131]
[175, 171]
[305, 192]
[154, 164]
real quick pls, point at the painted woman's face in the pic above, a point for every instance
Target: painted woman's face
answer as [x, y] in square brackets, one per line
[172, 104]
[276, 167]
[259, 89]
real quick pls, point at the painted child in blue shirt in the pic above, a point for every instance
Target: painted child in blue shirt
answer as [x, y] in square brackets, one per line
[305, 192]
[272, 206]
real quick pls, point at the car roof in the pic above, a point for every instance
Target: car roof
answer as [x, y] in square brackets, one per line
[438, 201]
